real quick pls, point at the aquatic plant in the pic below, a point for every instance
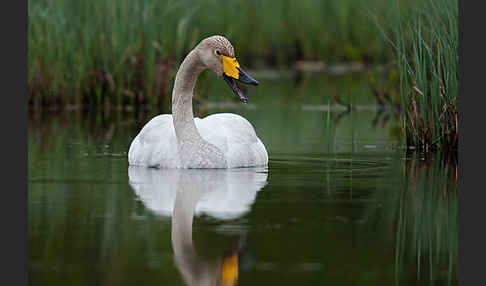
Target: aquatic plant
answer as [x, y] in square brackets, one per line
[426, 48]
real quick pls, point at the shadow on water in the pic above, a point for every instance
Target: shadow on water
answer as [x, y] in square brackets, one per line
[220, 194]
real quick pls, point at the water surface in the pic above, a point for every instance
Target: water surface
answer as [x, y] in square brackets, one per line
[341, 201]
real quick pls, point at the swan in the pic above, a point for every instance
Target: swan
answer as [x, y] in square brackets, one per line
[223, 140]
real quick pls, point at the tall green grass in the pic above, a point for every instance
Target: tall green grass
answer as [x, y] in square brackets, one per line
[125, 52]
[426, 48]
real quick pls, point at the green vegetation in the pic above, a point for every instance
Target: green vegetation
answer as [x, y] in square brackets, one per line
[126, 52]
[426, 46]
[124, 55]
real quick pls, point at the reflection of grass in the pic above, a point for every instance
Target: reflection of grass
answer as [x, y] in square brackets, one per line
[426, 46]
[421, 218]
[126, 52]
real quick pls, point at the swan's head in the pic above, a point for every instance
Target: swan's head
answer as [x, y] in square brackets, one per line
[218, 55]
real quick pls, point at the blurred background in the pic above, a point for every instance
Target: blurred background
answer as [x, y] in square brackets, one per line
[121, 53]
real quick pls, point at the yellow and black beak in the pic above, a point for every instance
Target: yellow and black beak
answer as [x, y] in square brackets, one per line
[233, 72]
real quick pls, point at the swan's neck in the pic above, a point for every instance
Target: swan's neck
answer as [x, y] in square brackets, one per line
[182, 93]
[194, 151]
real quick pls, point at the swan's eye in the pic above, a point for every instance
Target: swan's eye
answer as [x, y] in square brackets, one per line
[218, 52]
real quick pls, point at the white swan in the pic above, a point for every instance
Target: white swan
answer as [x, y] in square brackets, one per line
[222, 140]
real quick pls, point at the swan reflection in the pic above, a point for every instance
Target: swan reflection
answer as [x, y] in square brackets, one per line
[221, 194]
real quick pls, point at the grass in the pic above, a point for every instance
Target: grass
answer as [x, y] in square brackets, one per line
[121, 53]
[426, 49]
[125, 53]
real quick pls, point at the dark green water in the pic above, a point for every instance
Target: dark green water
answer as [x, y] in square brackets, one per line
[340, 203]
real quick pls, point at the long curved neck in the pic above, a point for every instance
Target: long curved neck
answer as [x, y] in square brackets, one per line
[185, 82]
[194, 151]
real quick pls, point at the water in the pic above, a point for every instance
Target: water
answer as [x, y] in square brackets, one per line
[341, 201]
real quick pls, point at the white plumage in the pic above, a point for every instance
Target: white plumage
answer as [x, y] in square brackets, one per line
[156, 144]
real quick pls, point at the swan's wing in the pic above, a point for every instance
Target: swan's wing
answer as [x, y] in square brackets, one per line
[236, 137]
[220, 128]
[156, 144]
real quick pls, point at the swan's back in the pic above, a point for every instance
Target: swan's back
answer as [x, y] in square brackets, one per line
[156, 144]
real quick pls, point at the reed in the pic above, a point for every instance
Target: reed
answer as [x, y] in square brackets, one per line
[426, 48]
[125, 52]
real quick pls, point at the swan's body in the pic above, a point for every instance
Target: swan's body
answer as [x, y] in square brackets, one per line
[223, 140]
[233, 136]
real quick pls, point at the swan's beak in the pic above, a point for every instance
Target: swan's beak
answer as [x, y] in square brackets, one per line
[233, 72]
